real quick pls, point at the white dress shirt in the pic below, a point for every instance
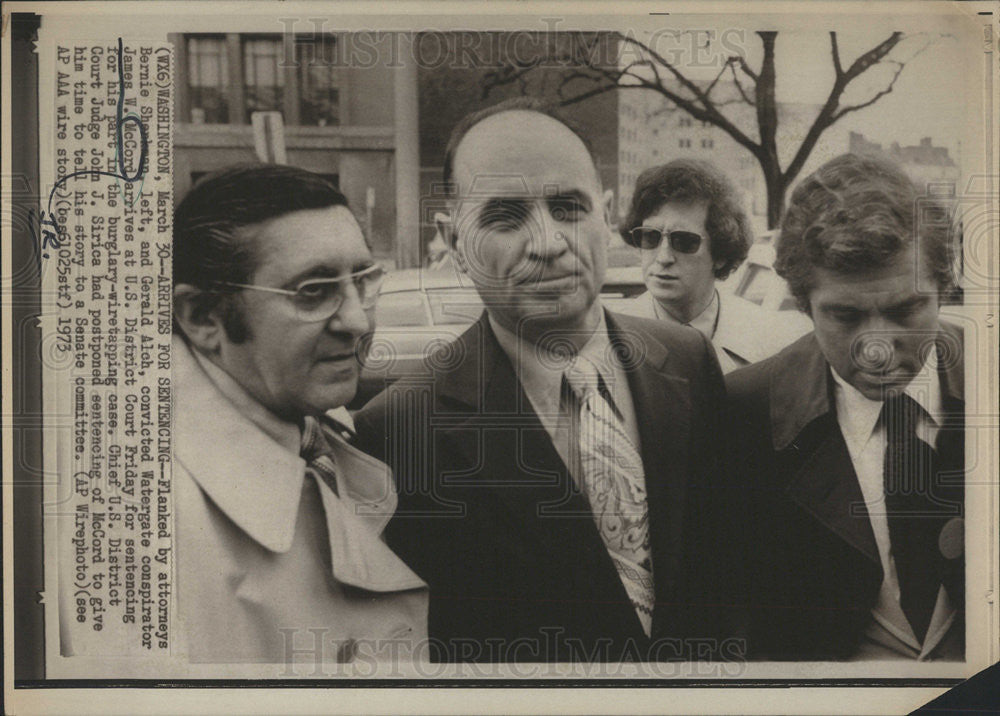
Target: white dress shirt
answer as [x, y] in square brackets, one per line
[540, 373]
[864, 435]
[706, 321]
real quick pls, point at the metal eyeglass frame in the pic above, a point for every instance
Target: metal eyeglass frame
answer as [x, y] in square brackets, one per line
[367, 302]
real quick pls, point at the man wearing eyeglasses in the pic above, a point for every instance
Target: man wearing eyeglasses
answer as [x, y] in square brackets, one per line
[278, 519]
[557, 471]
[687, 222]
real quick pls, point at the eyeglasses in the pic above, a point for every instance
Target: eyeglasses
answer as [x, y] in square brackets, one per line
[319, 299]
[648, 238]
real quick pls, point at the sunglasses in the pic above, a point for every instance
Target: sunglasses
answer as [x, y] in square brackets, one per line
[648, 239]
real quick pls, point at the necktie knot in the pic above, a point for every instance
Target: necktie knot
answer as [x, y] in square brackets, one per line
[900, 415]
[314, 443]
[316, 450]
[583, 377]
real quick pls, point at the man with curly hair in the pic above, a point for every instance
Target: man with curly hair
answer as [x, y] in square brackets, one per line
[687, 222]
[851, 440]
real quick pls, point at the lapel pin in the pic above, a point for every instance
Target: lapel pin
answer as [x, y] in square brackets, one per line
[952, 538]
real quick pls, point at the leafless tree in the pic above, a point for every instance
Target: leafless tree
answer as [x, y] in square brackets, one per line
[587, 73]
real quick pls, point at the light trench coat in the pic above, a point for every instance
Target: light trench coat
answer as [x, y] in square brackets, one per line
[273, 566]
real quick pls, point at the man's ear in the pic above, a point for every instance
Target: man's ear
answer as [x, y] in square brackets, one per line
[607, 206]
[199, 318]
[446, 228]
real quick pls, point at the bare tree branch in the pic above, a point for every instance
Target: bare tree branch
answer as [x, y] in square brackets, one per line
[829, 112]
[739, 85]
[704, 101]
[878, 95]
[745, 67]
[872, 56]
[711, 85]
[507, 74]
[835, 52]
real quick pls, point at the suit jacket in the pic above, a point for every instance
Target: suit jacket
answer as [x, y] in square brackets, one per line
[745, 333]
[813, 570]
[260, 562]
[490, 517]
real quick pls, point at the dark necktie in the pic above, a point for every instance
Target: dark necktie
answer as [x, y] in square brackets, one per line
[317, 453]
[910, 470]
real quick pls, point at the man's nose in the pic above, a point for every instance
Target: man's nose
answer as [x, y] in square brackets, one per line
[351, 317]
[549, 238]
[875, 345]
[664, 253]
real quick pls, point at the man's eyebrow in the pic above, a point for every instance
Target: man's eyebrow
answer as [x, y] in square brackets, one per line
[500, 202]
[910, 302]
[328, 271]
[569, 195]
[840, 307]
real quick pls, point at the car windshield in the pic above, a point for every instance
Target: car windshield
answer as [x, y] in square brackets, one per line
[402, 308]
[450, 306]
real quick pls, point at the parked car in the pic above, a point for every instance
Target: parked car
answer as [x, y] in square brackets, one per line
[421, 310]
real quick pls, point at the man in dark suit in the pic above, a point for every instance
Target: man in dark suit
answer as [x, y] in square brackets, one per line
[557, 471]
[851, 439]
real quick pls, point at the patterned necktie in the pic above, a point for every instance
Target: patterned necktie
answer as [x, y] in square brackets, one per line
[318, 454]
[909, 471]
[615, 484]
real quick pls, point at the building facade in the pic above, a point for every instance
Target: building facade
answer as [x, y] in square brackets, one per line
[339, 115]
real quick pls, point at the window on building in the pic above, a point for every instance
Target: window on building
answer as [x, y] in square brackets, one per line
[207, 79]
[263, 79]
[685, 143]
[319, 81]
[707, 143]
[685, 122]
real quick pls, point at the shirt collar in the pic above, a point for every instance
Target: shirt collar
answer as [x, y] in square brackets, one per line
[540, 371]
[857, 415]
[706, 321]
[925, 388]
[862, 413]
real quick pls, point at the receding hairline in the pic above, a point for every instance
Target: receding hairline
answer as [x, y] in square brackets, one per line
[526, 112]
[251, 235]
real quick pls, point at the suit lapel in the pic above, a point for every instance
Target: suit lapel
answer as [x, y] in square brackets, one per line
[662, 403]
[804, 422]
[827, 487]
[527, 476]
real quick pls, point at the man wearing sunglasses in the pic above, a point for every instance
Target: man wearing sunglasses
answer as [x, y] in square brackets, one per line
[278, 519]
[556, 467]
[686, 221]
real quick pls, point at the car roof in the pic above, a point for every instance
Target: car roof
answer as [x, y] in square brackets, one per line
[416, 279]
[423, 279]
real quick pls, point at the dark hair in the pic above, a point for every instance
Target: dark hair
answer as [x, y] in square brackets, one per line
[528, 104]
[687, 181]
[857, 213]
[209, 224]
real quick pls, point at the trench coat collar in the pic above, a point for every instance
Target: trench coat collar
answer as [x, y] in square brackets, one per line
[257, 483]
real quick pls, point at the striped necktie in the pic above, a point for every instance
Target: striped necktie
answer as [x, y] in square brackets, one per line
[317, 453]
[614, 482]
